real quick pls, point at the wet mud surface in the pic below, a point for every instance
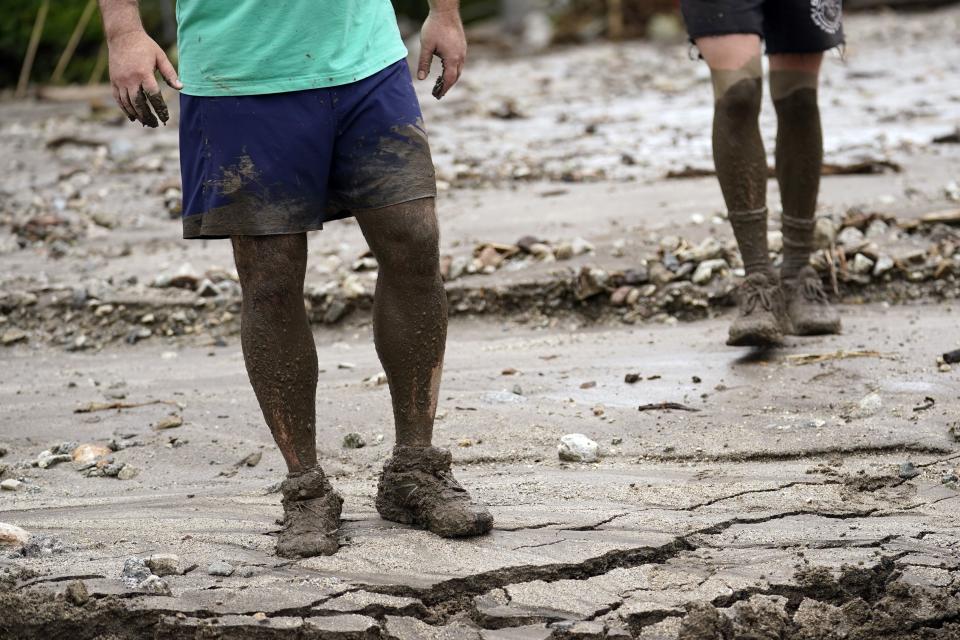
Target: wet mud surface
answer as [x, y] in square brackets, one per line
[807, 492]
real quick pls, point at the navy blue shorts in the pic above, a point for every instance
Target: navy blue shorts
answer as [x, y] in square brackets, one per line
[787, 26]
[288, 162]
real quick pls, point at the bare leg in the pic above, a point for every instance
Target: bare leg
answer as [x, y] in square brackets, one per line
[410, 328]
[409, 312]
[277, 343]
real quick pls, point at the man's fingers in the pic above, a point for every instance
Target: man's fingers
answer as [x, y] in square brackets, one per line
[426, 56]
[152, 91]
[168, 72]
[158, 104]
[123, 97]
[142, 107]
[451, 73]
[116, 97]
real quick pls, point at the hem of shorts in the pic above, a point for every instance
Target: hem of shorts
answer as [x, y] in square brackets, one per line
[331, 216]
[732, 31]
[346, 213]
[214, 90]
[283, 232]
[820, 49]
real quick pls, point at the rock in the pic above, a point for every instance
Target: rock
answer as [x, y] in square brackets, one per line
[164, 564]
[86, 453]
[127, 472]
[877, 230]
[850, 237]
[12, 535]
[882, 265]
[869, 405]
[542, 251]
[13, 336]
[376, 380]
[154, 585]
[252, 459]
[458, 266]
[48, 459]
[631, 378]
[220, 568]
[637, 275]
[353, 440]
[526, 243]
[76, 593]
[134, 571]
[590, 282]
[206, 289]
[706, 270]
[861, 264]
[619, 296]
[490, 257]
[10, 484]
[40, 546]
[908, 470]
[579, 246]
[170, 422]
[576, 447]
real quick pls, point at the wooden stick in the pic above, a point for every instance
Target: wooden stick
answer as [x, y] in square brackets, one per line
[74, 40]
[101, 65]
[32, 50]
[615, 19]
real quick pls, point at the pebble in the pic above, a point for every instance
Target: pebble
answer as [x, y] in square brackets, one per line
[154, 585]
[12, 535]
[127, 472]
[707, 269]
[89, 453]
[871, 404]
[908, 470]
[631, 378]
[40, 546]
[861, 264]
[48, 459]
[13, 336]
[252, 459]
[134, 571]
[10, 484]
[220, 568]
[576, 447]
[354, 440]
[882, 265]
[850, 236]
[164, 564]
[76, 593]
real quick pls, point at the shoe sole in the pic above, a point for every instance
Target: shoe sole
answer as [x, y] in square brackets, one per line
[755, 340]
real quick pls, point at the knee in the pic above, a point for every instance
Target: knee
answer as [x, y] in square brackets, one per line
[740, 103]
[270, 277]
[412, 250]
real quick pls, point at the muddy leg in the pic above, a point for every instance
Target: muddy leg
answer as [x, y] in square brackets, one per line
[277, 342]
[410, 328]
[793, 86]
[409, 312]
[741, 164]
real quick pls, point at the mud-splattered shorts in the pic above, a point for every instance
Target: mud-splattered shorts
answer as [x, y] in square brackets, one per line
[787, 26]
[288, 162]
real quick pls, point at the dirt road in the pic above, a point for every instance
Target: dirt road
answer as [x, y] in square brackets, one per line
[809, 492]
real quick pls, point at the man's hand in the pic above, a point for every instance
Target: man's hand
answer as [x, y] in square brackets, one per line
[442, 35]
[133, 58]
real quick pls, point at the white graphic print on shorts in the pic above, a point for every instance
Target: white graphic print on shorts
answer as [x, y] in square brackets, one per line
[827, 14]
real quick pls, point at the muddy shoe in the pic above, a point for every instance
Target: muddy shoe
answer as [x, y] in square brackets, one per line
[761, 321]
[808, 306]
[311, 516]
[417, 487]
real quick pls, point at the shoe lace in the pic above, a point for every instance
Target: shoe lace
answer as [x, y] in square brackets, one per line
[417, 494]
[754, 295]
[811, 289]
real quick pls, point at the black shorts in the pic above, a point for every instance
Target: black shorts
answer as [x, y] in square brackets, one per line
[787, 26]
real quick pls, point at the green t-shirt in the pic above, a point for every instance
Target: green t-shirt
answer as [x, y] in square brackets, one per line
[251, 47]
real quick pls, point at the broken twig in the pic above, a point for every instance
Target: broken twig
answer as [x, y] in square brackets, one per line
[90, 407]
[666, 406]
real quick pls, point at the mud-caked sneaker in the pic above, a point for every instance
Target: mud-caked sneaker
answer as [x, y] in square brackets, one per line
[311, 516]
[808, 307]
[761, 320]
[417, 487]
